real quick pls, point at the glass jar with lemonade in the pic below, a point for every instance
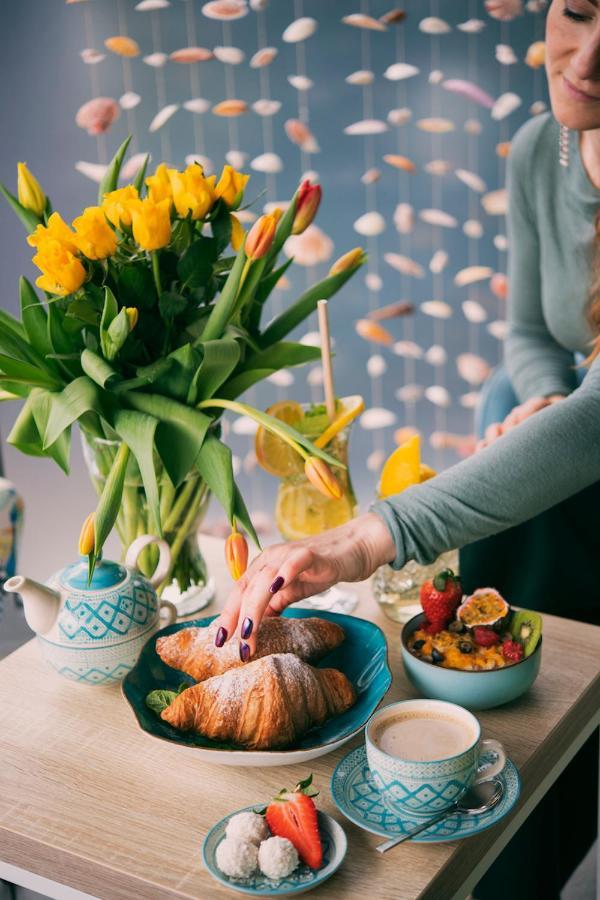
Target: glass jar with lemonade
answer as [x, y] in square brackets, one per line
[303, 511]
[397, 591]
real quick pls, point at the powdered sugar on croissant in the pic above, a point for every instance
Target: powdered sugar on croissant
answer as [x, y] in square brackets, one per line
[266, 705]
[193, 651]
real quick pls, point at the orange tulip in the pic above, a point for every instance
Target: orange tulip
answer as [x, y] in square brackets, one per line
[260, 237]
[87, 537]
[320, 476]
[236, 554]
[348, 261]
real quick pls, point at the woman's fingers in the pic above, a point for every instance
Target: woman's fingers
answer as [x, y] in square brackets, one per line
[255, 600]
[228, 620]
[492, 432]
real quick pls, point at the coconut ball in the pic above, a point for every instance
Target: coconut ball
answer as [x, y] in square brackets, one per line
[247, 826]
[277, 857]
[235, 858]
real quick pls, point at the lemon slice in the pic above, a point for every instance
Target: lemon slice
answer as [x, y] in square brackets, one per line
[351, 407]
[302, 511]
[273, 454]
[402, 468]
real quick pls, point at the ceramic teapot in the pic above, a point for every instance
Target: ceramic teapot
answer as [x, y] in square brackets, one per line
[93, 633]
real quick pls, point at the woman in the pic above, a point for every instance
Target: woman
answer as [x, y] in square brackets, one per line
[544, 456]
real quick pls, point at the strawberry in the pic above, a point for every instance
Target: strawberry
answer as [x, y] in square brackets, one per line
[293, 815]
[484, 636]
[440, 598]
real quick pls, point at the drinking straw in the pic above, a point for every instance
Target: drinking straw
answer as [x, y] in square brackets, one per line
[326, 358]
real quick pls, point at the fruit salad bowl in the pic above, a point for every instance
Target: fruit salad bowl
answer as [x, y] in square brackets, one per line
[482, 689]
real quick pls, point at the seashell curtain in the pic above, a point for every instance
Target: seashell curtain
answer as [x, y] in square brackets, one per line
[405, 116]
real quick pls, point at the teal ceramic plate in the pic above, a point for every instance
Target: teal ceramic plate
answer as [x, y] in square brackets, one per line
[302, 879]
[357, 797]
[362, 657]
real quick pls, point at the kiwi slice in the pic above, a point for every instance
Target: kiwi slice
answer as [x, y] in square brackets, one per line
[526, 627]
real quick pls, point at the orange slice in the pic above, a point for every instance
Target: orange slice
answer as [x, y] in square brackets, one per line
[303, 511]
[425, 473]
[273, 454]
[351, 407]
[402, 468]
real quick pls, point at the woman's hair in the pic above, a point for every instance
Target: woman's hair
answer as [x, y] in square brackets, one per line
[593, 312]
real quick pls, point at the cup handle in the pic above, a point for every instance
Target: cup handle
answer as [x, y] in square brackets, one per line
[496, 767]
[164, 559]
[171, 611]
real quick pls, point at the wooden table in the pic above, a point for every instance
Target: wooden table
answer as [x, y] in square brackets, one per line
[92, 806]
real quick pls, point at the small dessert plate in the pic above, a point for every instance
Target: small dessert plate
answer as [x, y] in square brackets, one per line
[355, 794]
[302, 878]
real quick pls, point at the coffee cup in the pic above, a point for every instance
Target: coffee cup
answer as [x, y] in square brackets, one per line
[423, 754]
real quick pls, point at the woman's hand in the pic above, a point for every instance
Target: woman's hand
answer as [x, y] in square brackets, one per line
[284, 573]
[515, 417]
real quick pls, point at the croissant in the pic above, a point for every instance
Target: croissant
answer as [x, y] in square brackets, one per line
[266, 705]
[193, 651]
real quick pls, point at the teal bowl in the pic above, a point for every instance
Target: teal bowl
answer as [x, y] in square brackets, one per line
[474, 690]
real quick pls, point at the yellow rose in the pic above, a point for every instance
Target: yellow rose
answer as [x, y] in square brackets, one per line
[230, 186]
[95, 238]
[29, 190]
[159, 184]
[192, 192]
[152, 224]
[62, 272]
[237, 233]
[117, 205]
[56, 230]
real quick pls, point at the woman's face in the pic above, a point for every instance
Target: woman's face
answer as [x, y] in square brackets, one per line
[573, 62]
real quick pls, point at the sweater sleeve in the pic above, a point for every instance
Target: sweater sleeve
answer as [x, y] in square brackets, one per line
[537, 365]
[549, 457]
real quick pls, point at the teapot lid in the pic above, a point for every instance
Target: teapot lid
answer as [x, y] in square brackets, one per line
[106, 575]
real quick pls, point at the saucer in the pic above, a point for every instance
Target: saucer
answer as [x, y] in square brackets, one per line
[333, 839]
[355, 794]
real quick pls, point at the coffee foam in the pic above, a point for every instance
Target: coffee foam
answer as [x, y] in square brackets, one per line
[451, 737]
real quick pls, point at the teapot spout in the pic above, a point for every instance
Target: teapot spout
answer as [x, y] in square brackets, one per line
[40, 603]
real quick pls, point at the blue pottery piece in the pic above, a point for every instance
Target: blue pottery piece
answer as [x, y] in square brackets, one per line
[362, 657]
[92, 632]
[356, 796]
[302, 878]
[474, 690]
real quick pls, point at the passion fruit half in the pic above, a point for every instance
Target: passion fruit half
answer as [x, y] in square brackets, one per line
[486, 606]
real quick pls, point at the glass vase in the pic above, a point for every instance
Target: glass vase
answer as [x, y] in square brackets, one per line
[397, 590]
[182, 510]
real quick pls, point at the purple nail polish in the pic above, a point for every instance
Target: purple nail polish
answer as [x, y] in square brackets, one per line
[221, 637]
[277, 584]
[244, 652]
[247, 626]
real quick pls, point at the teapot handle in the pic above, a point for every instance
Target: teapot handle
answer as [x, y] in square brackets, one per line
[164, 559]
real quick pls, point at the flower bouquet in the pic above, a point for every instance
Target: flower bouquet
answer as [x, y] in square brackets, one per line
[149, 328]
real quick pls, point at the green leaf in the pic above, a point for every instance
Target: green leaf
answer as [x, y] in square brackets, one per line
[269, 281]
[118, 332]
[28, 218]
[304, 306]
[98, 369]
[111, 176]
[145, 375]
[220, 224]
[35, 320]
[84, 311]
[282, 355]
[63, 345]
[9, 322]
[219, 359]
[171, 304]
[179, 435]
[158, 700]
[214, 463]
[176, 380]
[110, 500]
[24, 434]
[13, 390]
[284, 229]
[239, 384]
[17, 347]
[60, 450]
[138, 181]
[15, 368]
[196, 265]
[28, 431]
[136, 286]
[110, 312]
[225, 305]
[138, 431]
[79, 397]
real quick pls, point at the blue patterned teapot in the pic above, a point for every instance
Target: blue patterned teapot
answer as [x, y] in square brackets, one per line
[93, 633]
